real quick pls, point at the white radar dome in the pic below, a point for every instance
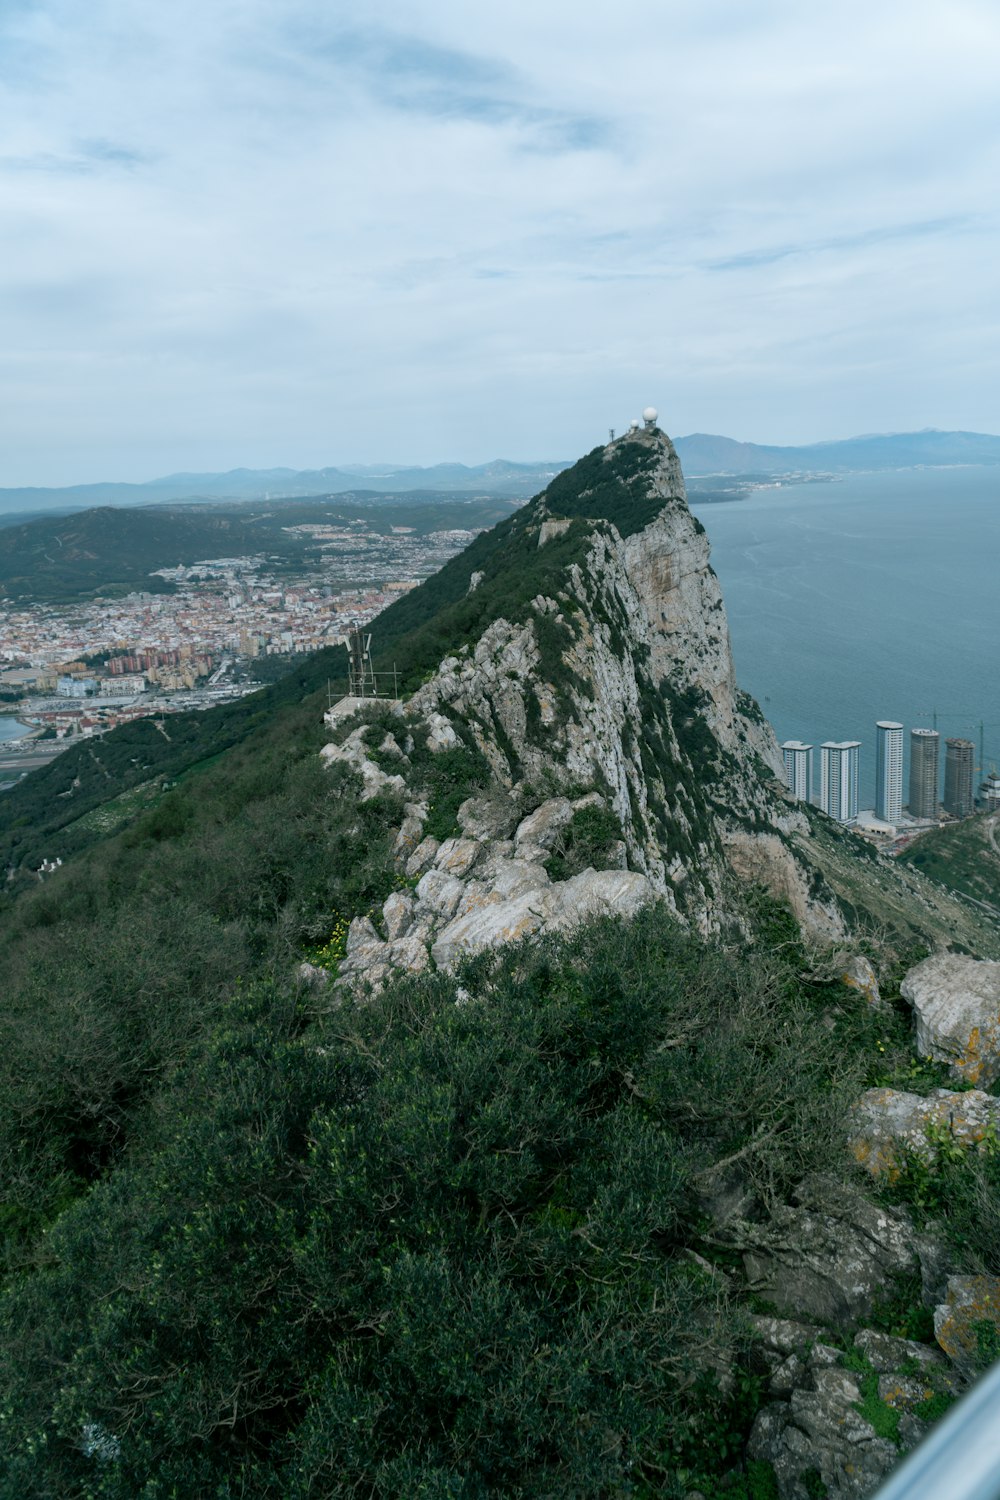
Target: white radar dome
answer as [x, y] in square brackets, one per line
[650, 414]
[633, 426]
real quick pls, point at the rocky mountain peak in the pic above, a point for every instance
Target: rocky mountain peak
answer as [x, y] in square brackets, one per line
[595, 684]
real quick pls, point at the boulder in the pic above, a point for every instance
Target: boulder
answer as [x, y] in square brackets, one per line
[886, 1124]
[858, 974]
[457, 856]
[956, 1003]
[820, 1431]
[887, 1354]
[508, 878]
[397, 914]
[967, 1323]
[361, 935]
[422, 857]
[486, 817]
[490, 926]
[408, 836]
[440, 893]
[543, 826]
[441, 735]
[830, 1256]
[595, 893]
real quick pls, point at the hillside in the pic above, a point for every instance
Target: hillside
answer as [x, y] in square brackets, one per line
[964, 857]
[451, 1097]
[110, 551]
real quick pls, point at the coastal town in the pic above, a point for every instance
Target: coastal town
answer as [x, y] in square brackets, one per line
[222, 627]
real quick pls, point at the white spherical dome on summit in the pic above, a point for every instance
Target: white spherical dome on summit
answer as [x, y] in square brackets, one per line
[634, 424]
[650, 414]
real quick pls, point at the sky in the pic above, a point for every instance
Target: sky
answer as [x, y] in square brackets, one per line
[273, 232]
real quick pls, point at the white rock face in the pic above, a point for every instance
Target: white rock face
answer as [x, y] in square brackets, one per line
[886, 1124]
[956, 1004]
[552, 908]
[543, 826]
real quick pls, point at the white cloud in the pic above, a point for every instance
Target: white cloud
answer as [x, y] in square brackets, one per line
[232, 234]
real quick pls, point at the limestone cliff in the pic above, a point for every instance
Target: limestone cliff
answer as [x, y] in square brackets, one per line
[613, 685]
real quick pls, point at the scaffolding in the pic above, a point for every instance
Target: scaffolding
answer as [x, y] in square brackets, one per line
[363, 680]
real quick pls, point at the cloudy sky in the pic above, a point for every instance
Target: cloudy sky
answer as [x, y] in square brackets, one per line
[278, 232]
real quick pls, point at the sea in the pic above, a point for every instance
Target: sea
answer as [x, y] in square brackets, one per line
[869, 596]
[11, 729]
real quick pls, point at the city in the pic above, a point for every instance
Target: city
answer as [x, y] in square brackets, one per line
[888, 823]
[226, 626]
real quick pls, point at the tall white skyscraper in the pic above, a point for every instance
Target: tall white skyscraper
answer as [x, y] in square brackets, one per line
[888, 770]
[798, 760]
[839, 764]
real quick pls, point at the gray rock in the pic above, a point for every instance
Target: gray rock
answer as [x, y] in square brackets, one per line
[408, 837]
[440, 893]
[508, 878]
[858, 974]
[542, 827]
[967, 1323]
[886, 1354]
[486, 816]
[422, 857]
[409, 954]
[820, 1430]
[441, 735]
[457, 856]
[397, 914]
[887, 1124]
[829, 1257]
[956, 1003]
[490, 926]
[361, 934]
[784, 1335]
[595, 893]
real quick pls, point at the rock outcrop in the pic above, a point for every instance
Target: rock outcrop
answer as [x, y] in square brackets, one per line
[889, 1126]
[956, 1005]
[620, 676]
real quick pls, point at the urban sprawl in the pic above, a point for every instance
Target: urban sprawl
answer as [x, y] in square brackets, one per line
[78, 670]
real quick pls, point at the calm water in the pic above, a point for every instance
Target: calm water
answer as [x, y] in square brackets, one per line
[10, 729]
[871, 597]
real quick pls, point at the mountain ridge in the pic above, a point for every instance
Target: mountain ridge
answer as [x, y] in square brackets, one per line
[702, 453]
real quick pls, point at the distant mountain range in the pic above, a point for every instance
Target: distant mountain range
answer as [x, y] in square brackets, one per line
[701, 454]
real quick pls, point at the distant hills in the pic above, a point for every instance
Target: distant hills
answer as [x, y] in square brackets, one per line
[701, 454]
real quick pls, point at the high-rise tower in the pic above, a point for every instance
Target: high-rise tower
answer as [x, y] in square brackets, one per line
[839, 764]
[888, 770]
[959, 758]
[798, 760]
[924, 750]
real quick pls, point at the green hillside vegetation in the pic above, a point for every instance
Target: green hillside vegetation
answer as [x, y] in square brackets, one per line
[112, 552]
[963, 857]
[252, 1239]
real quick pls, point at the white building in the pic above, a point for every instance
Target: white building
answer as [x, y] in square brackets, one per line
[798, 760]
[888, 770]
[127, 686]
[839, 764]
